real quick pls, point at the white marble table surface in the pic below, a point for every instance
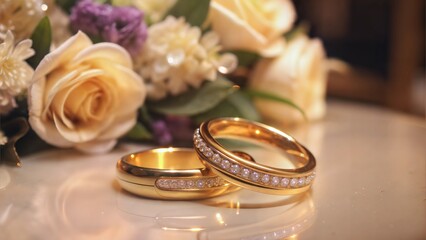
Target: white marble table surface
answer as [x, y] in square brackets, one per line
[371, 184]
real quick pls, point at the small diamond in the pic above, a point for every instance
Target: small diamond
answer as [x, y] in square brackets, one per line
[293, 182]
[245, 173]
[275, 181]
[163, 183]
[265, 178]
[285, 182]
[254, 176]
[173, 184]
[200, 183]
[235, 168]
[198, 143]
[301, 181]
[211, 182]
[181, 183]
[216, 182]
[190, 184]
[203, 147]
[225, 164]
[196, 135]
[208, 153]
[216, 158]
[309, 179]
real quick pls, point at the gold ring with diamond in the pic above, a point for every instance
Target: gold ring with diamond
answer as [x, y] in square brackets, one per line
[169, 174]
[250, 174]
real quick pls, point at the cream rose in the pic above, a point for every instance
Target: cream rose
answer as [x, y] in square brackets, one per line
[85, 95]
[299, 74]
[252, 25]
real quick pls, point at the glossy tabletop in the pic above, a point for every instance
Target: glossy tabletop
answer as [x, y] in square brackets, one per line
[370, 184]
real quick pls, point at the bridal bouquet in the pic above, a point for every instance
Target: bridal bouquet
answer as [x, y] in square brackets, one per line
[84, 74]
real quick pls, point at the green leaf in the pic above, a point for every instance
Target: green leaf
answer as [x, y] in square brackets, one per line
[195, 101]
[194, 11]
[246, 58]
[66, 5]
[105, 2]
[139, 132]
[302, 28]
[273, 97]
[42, 37]
[144, 115]
[235, 105]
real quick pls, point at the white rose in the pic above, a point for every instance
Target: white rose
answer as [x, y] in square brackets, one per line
[252, 25]
[85, 95]
[299, 74]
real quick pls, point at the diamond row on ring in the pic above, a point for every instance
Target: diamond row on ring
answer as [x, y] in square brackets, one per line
[189, 183]
[248, 173]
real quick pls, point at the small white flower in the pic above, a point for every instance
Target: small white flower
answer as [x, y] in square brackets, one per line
[176, 56]
[15, 73]
[20, 16]
[3, 138]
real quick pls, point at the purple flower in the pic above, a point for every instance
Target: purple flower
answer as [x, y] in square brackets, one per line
[161, 132]
[121, 25]
[181, 128]
[173, 129]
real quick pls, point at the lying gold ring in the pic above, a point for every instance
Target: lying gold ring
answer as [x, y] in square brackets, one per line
[249, 174]
[169, 173]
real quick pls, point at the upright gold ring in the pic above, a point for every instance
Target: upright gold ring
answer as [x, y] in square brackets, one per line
[169, 174]
[249, 174]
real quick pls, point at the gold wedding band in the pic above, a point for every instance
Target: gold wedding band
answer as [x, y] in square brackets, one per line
[171, 174]
[249, 174]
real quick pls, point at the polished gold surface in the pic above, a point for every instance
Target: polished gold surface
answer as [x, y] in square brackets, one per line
[250, 174]
[169, 173]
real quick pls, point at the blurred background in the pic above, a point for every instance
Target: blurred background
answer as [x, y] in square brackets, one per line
[383, 44]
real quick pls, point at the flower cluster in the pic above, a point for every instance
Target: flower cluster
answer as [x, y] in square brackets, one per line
[15, 73]
[151, 70]
[20, 17]
[177, 55]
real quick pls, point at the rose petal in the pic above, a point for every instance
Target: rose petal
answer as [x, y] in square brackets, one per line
[62, 54]
[226, 23]
[48, 132]
[104, 52]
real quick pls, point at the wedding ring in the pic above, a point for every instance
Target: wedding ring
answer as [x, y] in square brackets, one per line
[170, 174]
[250, 174]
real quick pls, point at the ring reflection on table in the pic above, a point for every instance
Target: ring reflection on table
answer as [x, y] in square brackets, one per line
[169, 174]
[286, 221]
[250, 174]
